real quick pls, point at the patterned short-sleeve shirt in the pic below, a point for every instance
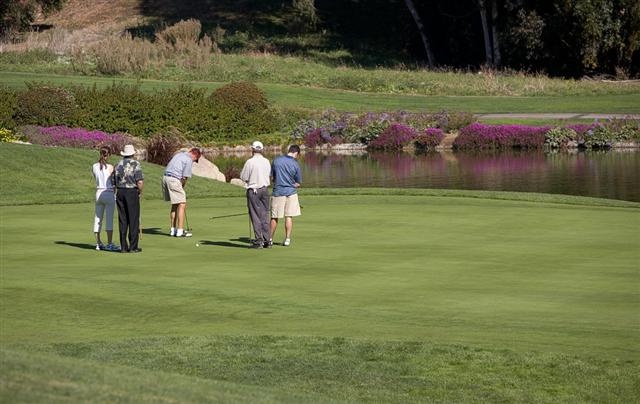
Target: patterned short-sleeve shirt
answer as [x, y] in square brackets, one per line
[128, 173]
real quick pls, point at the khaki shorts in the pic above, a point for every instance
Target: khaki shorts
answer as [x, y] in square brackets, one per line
[172, 190]
[285, 206]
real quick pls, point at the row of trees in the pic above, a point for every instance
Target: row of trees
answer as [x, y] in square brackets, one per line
[562, 37]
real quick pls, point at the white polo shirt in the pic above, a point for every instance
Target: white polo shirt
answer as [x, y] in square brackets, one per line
[256, 171]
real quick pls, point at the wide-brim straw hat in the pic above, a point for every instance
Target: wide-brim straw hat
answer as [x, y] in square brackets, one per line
[128, 151]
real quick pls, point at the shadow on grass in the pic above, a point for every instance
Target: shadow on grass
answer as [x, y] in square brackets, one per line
[154, 231]
[234, 243]
[84, 246]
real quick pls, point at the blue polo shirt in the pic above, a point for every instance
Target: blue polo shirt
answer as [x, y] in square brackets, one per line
[285, 171]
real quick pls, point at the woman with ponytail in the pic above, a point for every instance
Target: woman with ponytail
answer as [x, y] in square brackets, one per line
[105, 200]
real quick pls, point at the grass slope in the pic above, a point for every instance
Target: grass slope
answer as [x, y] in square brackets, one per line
[381, 298]
[41, 175]
[293, 96]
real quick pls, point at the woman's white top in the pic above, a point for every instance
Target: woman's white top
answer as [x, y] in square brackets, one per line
[103, 176]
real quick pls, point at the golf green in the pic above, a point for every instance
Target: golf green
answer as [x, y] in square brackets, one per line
[494, 274]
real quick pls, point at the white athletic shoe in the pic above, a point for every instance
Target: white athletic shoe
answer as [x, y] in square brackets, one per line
[185, 234]
[99, 247]
[287, 241]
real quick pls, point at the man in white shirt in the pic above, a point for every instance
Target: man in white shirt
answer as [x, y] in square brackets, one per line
[255, 174]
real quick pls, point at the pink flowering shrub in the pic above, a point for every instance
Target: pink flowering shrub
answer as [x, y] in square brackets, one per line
[320, 136]
[429, 139]
[480, 136]
[75, 137]
[395, 137]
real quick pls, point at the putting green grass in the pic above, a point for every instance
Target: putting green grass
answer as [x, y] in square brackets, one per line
[380, 298]
[385, 295]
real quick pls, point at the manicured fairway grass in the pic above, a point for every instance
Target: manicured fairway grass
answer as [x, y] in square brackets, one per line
[318, 98]
[379, 298]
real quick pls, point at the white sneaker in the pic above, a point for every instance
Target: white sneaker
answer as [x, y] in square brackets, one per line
[287, 241]
[185, 234]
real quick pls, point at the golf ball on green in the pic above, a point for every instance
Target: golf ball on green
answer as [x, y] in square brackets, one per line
[197, 244]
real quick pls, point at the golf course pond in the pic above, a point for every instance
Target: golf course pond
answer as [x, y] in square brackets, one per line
[613, 174]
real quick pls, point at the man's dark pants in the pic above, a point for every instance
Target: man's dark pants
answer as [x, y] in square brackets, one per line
[258, 204]
[128, 201]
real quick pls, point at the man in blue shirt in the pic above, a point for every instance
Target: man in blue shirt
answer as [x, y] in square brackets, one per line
[287, 176]
[175, 178]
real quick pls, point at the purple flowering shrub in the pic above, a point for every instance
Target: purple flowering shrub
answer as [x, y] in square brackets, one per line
[480, 136]
[395, 137]
[581, 128]
[429, 139]
[320, 136]
[75, 137]
[357, 128]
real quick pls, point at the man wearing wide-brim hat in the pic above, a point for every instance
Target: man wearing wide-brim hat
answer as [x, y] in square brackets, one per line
[129, 183]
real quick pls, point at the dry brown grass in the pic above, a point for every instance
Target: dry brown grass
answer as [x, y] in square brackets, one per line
[80, 25]
[82, 14]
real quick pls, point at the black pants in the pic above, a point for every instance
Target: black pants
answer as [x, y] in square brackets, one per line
[258, 204]
[128, 201]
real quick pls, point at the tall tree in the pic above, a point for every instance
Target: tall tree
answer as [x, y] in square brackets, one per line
[495, 36]
[421, 29]
[490, 33]
[486, 32]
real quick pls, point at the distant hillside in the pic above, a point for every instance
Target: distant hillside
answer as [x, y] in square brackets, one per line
[348, 33]
[589, 38]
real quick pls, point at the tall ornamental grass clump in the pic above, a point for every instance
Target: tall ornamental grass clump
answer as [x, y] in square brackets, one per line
[480, 136]
[75, 137]
[162, 146]
[395, 137]
[181, 45]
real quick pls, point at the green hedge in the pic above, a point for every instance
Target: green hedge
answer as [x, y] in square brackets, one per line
[235, 112]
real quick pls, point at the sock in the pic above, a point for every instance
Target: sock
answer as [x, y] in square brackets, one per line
[179, 233]
[173, 231]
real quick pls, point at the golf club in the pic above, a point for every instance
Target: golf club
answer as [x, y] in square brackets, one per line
[186, 221]
[225, 216]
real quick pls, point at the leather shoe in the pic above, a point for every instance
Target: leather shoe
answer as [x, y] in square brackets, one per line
[136, 250]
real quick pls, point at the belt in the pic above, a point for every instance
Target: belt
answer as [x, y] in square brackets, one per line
[172, 176]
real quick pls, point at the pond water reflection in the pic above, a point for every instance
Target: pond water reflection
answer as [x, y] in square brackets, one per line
[607, 174]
